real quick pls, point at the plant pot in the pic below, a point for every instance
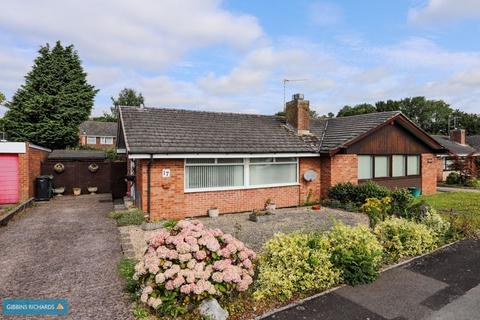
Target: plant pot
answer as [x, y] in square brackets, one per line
[271, 207]
[59, 167]
[93, 167]
[213, 212]
[59, 191]
[316, 207]
[77, 191]
[92, 190]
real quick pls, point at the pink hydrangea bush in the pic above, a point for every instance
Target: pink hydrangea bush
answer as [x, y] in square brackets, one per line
[189, 263]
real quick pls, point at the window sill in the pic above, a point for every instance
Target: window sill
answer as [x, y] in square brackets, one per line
[242, 188]
[390, 178]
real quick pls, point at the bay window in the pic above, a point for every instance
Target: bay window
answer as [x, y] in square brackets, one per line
[232, 173]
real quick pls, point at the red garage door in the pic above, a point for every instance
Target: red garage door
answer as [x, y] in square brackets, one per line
[8, 178]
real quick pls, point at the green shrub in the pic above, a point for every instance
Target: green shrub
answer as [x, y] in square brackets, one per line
[369, 190]
[440, 228]
[126, 270]
[377, 209]
[343, 192]
[417, 211]
[331, 203]
[126, 218]
[402, 238]
[402, 199]
[453, 178]
[473, 183]
[294, 263]
[356, 252]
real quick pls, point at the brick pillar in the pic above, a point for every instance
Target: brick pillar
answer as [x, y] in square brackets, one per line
[429, 167]
[307, 187]
[338, 169]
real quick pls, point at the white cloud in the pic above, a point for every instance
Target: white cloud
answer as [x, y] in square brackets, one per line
[323, 13]
[444, 11]
[150, 34]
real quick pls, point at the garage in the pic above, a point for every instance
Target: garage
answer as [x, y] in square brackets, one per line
[9, 178]
[20, 164]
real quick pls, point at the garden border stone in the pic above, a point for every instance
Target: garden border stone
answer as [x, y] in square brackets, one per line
[6, 217]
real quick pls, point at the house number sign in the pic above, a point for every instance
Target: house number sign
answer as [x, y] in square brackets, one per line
[166, 173]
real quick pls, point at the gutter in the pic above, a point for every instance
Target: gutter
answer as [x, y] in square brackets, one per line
[149, 170]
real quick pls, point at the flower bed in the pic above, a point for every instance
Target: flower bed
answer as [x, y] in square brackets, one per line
[187, 263]
[190, 263]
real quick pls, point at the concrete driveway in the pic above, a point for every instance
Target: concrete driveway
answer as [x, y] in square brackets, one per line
[66, 248]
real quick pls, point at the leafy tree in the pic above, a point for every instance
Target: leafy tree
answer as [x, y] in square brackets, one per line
[55, 98]
[313, 114]
[358, 109]
[126, 97]
[431, 115]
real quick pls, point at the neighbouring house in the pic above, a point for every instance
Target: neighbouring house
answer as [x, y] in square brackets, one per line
[184, 162]
[20, 164]
[98, 135]
[474, 141]
[457, 150]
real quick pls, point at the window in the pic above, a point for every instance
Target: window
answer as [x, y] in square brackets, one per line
[224, 173]
[381, 167]
[106, 140]
[365, 170]
[211, 173]
[91, 140]
[413, 165]
[399, 167]
[370, 167]
[264, 171]
[448, 164]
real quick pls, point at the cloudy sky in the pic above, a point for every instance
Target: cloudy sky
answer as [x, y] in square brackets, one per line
[232, 55]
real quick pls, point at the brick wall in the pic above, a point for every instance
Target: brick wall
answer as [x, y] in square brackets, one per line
[168, 199]
[29, 166]
[429, 165]
[338, 169]
[440, 171]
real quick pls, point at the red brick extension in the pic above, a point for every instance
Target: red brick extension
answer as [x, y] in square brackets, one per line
[28, 169]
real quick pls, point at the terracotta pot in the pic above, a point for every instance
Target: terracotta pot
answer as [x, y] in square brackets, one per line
[77, 191]
[316, 207]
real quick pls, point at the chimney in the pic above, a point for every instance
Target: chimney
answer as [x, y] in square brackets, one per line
[297, 113]
[457, 135]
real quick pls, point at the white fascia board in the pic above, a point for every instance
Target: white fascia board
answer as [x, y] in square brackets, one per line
[34, 146]
[121, 150]
[12, 147]
[221, 155]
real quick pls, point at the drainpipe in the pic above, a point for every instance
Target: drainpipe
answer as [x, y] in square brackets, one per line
[149, 169]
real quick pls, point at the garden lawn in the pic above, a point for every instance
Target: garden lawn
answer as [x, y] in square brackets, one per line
[460, 202]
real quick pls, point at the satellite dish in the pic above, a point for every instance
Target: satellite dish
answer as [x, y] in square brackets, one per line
[309, 175]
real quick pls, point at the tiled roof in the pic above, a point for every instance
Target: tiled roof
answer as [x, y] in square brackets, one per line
[76, 155]
[334, 132]
[153, 130]
[474, 141]
[98, 128]
[454, 147]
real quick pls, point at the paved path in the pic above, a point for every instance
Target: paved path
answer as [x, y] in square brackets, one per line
[441, 286]
[450, 189]
[65, 248]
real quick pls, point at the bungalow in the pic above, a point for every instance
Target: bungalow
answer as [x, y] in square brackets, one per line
[457, 150]
[185, 162]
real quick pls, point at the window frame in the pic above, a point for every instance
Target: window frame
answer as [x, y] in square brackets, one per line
[103, 140]
[390, 166]
[246, 174]
[91, 137]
